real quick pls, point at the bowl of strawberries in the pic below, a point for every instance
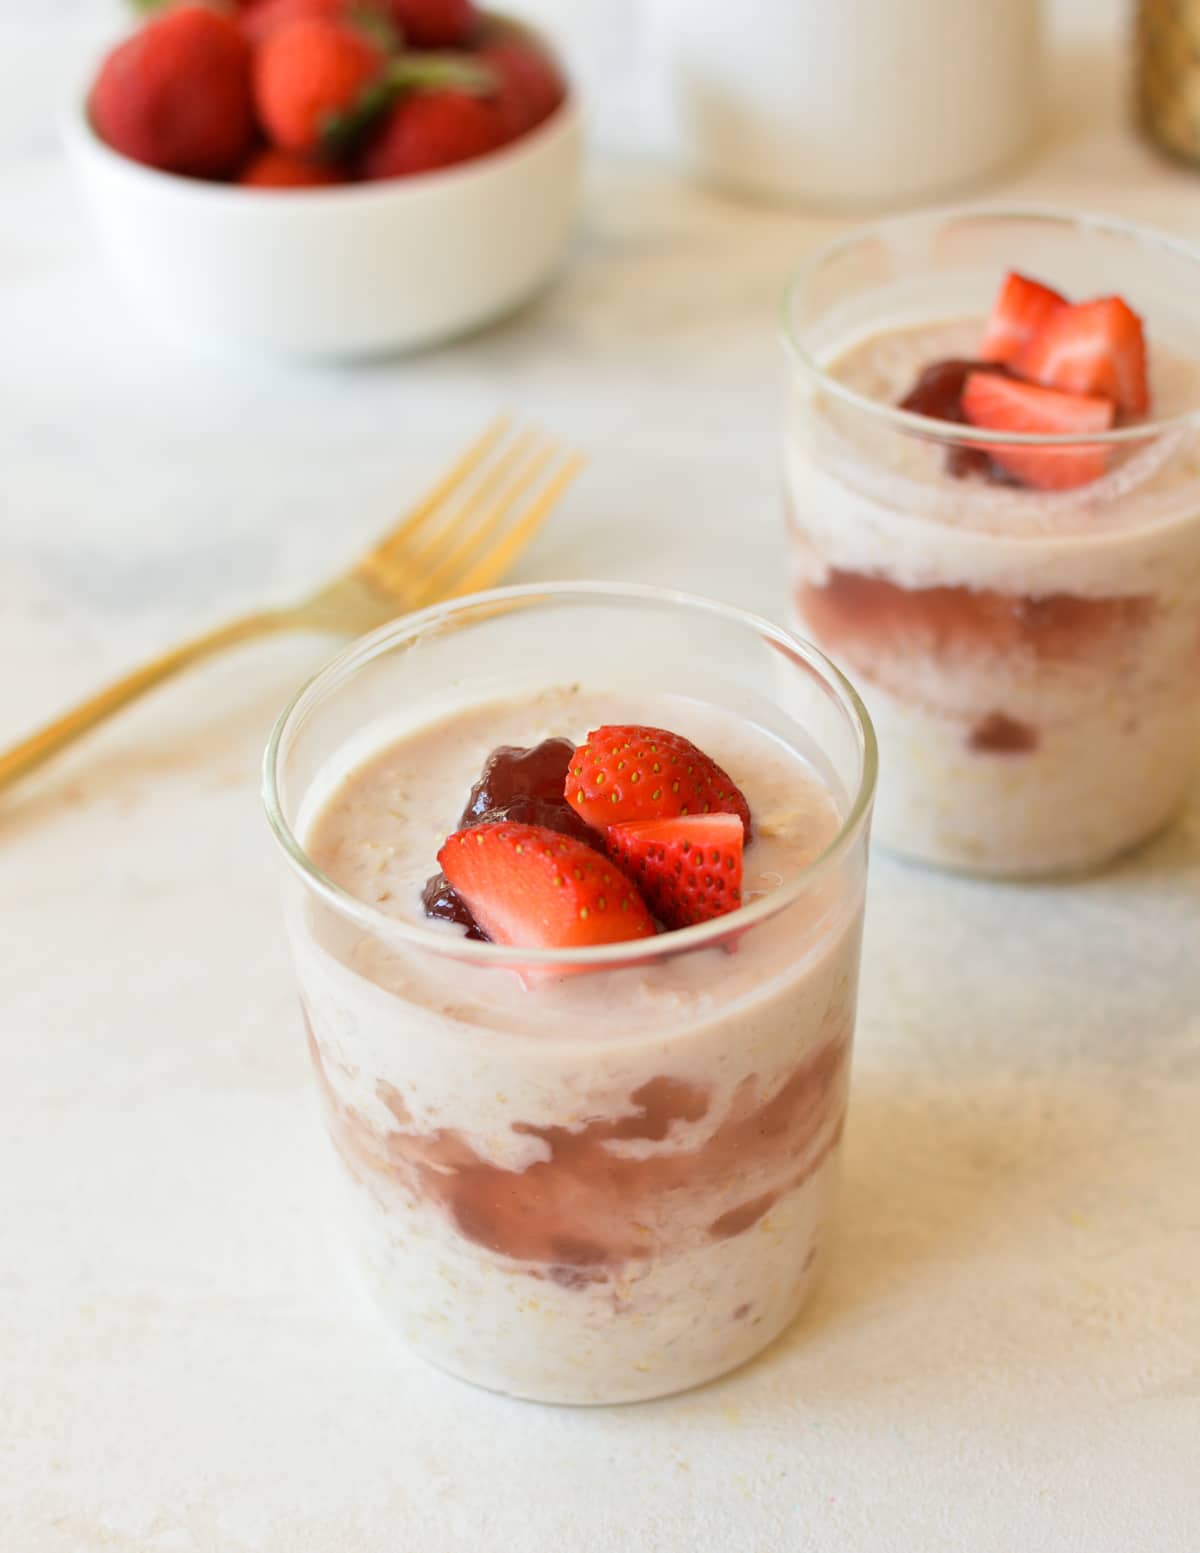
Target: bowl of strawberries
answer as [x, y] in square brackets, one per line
[328, 178]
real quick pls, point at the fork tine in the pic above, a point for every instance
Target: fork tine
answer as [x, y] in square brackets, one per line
[493, 476]
[491, 567]
[467, 461]
[473, 535]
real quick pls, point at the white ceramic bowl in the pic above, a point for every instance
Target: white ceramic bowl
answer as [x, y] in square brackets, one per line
[357, 270]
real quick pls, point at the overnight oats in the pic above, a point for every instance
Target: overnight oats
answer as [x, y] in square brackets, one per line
[576, 914]
[993, 491]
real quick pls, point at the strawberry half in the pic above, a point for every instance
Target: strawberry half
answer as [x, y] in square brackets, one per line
[533, 888]
[1006, 404]
[626, 773]
[688, 869]
[1022, 308]
[1096, 348]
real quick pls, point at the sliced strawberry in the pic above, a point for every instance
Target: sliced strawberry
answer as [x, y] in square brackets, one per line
[531, 887]
[636, 773]
[1096, 348]
[688, 869]
[1006, 404]
[1021, 309]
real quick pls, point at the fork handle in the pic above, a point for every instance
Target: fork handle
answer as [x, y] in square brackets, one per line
[48, 741]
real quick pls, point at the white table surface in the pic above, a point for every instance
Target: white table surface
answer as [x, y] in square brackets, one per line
[1005, 1353]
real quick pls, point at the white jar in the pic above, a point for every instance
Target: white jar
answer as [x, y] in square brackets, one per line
[845, 102]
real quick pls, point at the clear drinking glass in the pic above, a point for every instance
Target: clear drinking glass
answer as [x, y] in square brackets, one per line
[1030, 657]
[609, 1184]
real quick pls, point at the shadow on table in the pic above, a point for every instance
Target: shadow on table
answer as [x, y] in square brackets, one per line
[935, 1182]
[207, 730]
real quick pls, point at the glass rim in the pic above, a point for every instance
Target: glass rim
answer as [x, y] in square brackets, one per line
[364, 650]
[952, 432]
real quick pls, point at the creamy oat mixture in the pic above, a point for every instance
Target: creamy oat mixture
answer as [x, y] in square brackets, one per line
[606, 1186]
[1031, 659]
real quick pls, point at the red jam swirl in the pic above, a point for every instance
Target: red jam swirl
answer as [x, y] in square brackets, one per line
[523, 786]
[938, 393]
[851, 610]
[590, 1205]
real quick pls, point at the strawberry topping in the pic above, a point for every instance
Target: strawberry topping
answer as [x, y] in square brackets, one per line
[524, 786]
[1006, 404]
[528, 886]
[1096, 348]
[628, 773]
[688, 869]
[1022, 308]
[1046, 366]
[938, 393]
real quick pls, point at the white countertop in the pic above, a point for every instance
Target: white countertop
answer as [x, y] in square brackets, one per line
[1005, 1353]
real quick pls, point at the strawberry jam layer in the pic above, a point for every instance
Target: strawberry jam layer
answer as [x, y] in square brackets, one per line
[614, 1190]
[938, 394]
[1000, 734]
[861, 616]
[522, 786]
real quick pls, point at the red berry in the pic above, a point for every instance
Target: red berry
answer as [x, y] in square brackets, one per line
[430, 129]
[435, 24]
[530, 85]
[1007, 404]
[176, 95]
[688, 869]
[531, 887]
[1095, 348]
[634, 773]
[1020, 310]
[309, 77]
[271, 169]
[517, 786]
[262, 17]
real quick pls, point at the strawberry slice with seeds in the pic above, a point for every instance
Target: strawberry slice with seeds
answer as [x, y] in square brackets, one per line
[688, 869]
[1007, 404]
[1021, 309]
[534, 888]
[626, 773]
[1095, 348]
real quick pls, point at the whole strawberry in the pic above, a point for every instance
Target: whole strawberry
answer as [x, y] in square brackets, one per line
[430, 129]
[313, 80]
[530, 86]
[177, 94]
[260, 18]
[271, 169]
[435, 24]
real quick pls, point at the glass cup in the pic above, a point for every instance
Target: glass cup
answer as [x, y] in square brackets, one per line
[1031, 658]
[597, 1175]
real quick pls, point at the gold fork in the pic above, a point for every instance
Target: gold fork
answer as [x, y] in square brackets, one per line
[462, 536]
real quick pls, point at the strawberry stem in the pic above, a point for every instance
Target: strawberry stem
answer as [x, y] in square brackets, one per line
[436, 72]
[409, 73]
